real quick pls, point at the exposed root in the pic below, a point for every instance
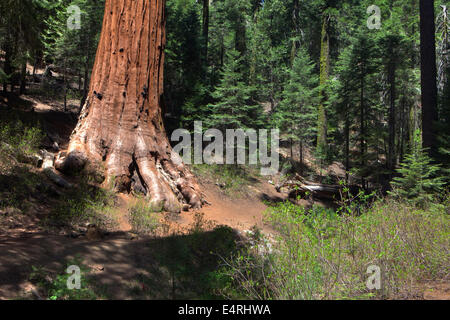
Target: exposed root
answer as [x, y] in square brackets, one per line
[167, 186]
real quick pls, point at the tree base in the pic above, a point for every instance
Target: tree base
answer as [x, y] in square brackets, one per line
[169, 185]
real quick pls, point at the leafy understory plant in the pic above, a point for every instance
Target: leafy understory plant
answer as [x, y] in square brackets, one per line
[56, 288]
[326, 255]
[144, 218]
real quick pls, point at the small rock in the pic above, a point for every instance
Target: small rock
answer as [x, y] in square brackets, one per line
[186, 207]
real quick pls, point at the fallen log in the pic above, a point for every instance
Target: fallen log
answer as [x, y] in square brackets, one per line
[326, 192]
[315, 190]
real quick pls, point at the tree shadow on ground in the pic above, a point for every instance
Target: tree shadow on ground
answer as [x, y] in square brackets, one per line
[271, 199]
[174, 267]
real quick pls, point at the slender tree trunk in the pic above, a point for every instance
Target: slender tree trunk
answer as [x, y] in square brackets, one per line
[363, 129]
[291, 142]
[428, 74]
[121, 122]
[324, 75]
[392, 119]
[65, 85]
[205, 28]
[403, 126]
[347, 146]
[80, 79]
[23, 78]
[301, 157]
[295, 22]
[34, 65]
[7, 68]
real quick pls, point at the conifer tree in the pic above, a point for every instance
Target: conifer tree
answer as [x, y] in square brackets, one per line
[419, 180]
[297, 114]
[234, 108]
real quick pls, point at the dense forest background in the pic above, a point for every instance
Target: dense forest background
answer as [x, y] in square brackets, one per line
[322, 71]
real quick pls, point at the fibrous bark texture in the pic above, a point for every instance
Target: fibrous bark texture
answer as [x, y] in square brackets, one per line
[121, 123]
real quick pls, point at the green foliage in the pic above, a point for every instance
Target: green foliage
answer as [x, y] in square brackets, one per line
[55, 287]
[419, 180]
[18, 139]
[144, 218]
[296, 115]
[85, 203]
[66, 47]
[183, 70]
[272, 63]
[3, 76]
[191, 259]
[323, 255]
[234, 108]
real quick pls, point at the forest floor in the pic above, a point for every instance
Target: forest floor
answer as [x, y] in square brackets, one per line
[120, 257]
[122, 263]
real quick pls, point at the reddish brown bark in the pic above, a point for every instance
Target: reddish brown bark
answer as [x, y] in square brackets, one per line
[121, 123]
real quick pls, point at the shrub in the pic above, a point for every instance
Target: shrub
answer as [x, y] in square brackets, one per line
[85, 203]
[324, 255]
[143, 217]
[19, 140]
[55, 287]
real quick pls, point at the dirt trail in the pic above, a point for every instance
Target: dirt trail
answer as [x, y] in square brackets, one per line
[117, 259]
[242, 212]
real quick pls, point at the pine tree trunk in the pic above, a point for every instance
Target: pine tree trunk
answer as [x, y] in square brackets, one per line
[363, 128]
[392, 112]
[347, 146]
[428, 74]
[7, 68]
[23, 77]
[121, 124]
[301, 157]
[324, 74]
[205, 30]
[295, 23]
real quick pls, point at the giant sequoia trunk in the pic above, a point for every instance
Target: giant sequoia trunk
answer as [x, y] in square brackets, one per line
[121, 124]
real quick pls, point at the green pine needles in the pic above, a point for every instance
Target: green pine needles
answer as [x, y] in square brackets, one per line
[419, 179]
